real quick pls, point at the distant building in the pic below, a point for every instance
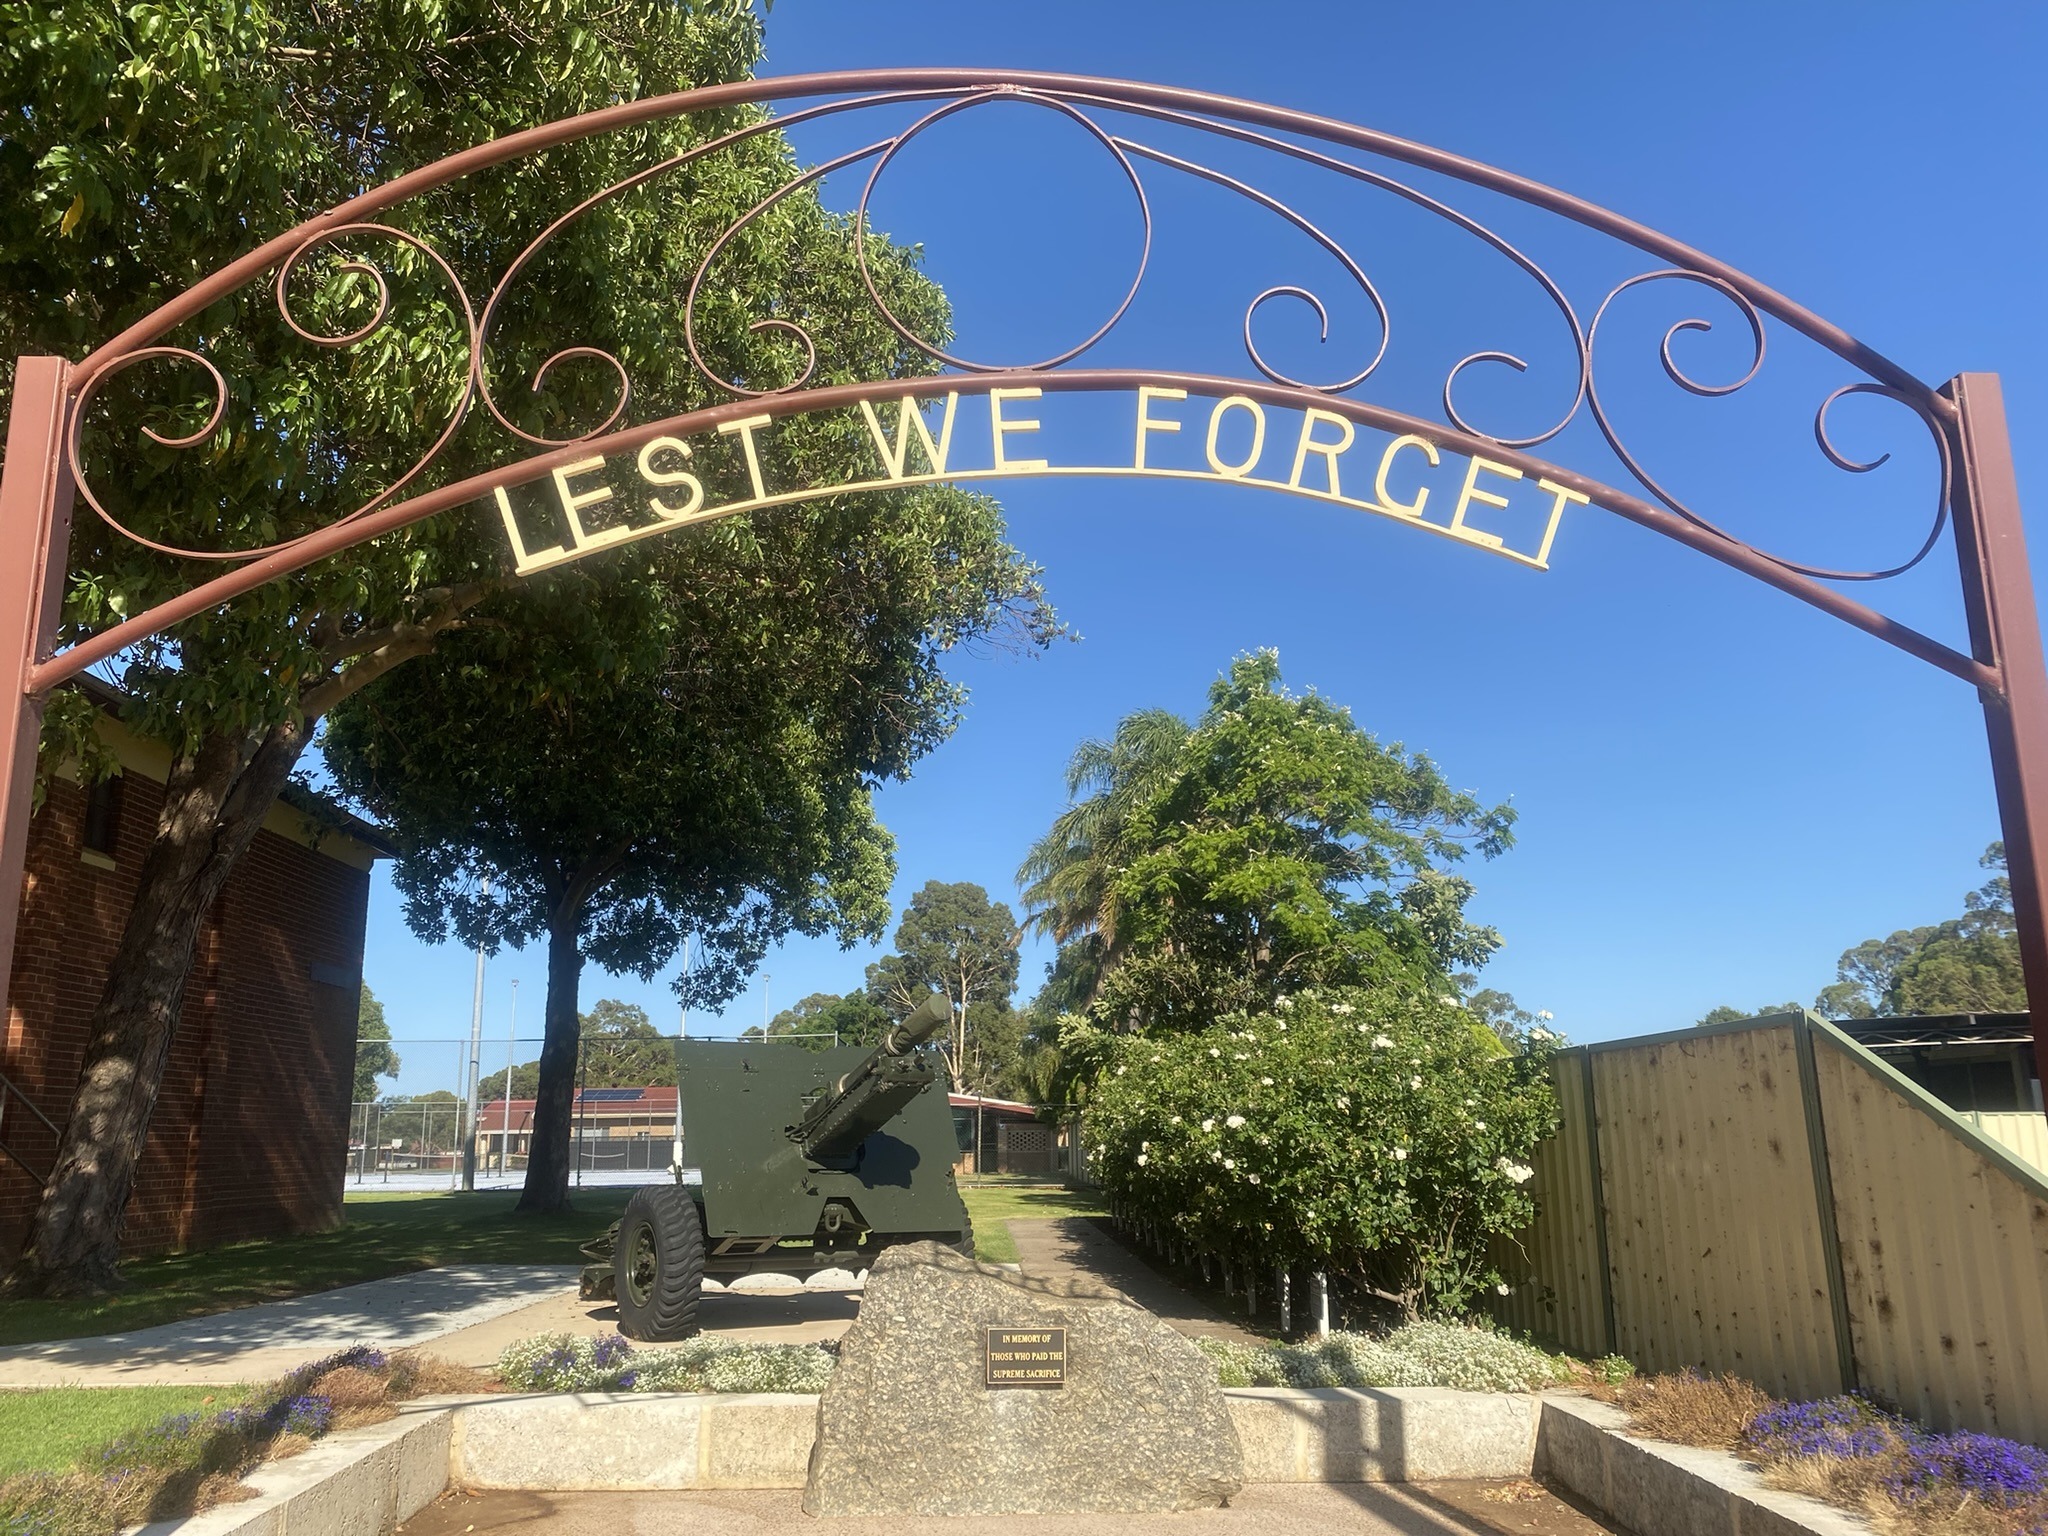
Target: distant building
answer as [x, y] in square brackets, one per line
[250, 1134]
[1972, 1062]
[634, 1128]
[1981, 1065]
[616, 1128]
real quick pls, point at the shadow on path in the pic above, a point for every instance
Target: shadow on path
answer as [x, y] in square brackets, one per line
[1077, 1248]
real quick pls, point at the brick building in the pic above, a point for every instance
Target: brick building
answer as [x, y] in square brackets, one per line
[250, 1134]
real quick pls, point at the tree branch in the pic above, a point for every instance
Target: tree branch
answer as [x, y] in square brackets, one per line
[378, 651]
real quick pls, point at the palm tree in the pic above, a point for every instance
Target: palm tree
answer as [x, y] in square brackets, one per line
[1068, 880]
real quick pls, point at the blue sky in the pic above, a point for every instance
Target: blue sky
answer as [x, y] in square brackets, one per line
[1719, 788]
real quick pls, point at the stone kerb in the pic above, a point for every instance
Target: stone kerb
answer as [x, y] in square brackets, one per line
[910, 1424]
[1381, 1435]
[357, 1482]
[1654, 1488]
[618, 1441]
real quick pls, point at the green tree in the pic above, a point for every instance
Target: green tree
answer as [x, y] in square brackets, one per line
[1506, 1020]
[1727, 1015]
[1284, 848]
[792, 660]
[374, 1056]
[525, 1083]
[623, 1049]
[427, 1124]
[1068, 880]
[151, 144]
[825, 1019]
[955, 941]
[1969, 964]
[1367, 1132]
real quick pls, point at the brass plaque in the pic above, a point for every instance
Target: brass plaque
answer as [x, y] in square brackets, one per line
[1025, 1357]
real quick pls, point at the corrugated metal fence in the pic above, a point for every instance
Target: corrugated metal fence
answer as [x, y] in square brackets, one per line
[1771, 1199]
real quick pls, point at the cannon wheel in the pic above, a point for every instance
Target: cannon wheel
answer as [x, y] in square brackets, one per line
[659, 1264]
[966, 1243]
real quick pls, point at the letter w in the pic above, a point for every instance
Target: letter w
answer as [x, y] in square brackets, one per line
[895, 454]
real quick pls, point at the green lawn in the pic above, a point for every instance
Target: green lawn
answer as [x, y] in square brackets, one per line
[47, 1430]
[391, 1234]
[380, 1235]
[992, 1202]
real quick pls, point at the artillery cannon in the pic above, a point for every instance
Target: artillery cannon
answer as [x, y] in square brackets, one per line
[791, 1161]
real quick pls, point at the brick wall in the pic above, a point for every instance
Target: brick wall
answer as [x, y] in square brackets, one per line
[250, 1134]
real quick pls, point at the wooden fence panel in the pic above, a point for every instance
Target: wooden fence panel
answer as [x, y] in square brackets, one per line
[1712, 1212]
[2024, 1134]
[1944, 1252]
[1555, 1273]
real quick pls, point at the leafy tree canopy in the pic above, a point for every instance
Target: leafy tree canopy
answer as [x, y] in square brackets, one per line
[1274, 846]
[827, 1018]
[374, 1056]
[1727, 1015]
[955, 941]
[1969, 964]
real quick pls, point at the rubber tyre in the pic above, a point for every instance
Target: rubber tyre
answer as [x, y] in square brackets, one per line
[659, 1265]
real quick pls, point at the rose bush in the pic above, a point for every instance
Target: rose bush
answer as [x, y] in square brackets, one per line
[1381, 1137]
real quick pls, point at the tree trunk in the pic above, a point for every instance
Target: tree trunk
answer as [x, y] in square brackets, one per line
[554, 1104]
[214, 803]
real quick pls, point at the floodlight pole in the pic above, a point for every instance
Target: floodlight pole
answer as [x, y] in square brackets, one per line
[2005, 633]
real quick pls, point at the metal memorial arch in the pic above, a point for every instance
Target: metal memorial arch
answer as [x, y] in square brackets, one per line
[973, 420]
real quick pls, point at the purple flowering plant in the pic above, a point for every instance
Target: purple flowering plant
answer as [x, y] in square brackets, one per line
[1925, 1476]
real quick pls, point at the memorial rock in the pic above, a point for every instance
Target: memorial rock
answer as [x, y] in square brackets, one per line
[1113, 1412]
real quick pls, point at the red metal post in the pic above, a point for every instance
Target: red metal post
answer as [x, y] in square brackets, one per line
[35, 543]
[2005, 633]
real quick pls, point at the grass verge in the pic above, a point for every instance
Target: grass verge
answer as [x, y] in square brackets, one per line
[393, 1234]
[379, 1235]
[992, 1204]
[49, 1429]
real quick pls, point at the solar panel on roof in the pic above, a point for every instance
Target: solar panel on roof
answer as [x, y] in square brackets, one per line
[612, 1095]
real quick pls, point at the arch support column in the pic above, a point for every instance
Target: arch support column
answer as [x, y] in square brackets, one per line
[35, 545]
[2005, 633]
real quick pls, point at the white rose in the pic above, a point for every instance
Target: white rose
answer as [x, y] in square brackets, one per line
[1379, 1042]
[1143, 1159]
[1415, 1083]
[1400, 1154]
[1234, 1121]
[1478, 1125]
[1251, 1178]
[1230, 1163]
[1283, 1024]
[1502, 1288]
[1208, 1125]
[1343, 1102]
[1265, 1082]
[1121, 1070]
[1213, 1051]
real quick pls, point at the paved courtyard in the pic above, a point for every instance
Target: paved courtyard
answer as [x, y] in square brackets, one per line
[1515, 1508]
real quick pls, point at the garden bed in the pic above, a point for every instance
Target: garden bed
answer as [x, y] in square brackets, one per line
[1901, 1477]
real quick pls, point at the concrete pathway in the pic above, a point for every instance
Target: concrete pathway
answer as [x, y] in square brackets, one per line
[259, 1342]
[1263, 1509]
[469, 1313]
[1062, 1247]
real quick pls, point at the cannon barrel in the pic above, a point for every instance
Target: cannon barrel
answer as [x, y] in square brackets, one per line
[868, 1097]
